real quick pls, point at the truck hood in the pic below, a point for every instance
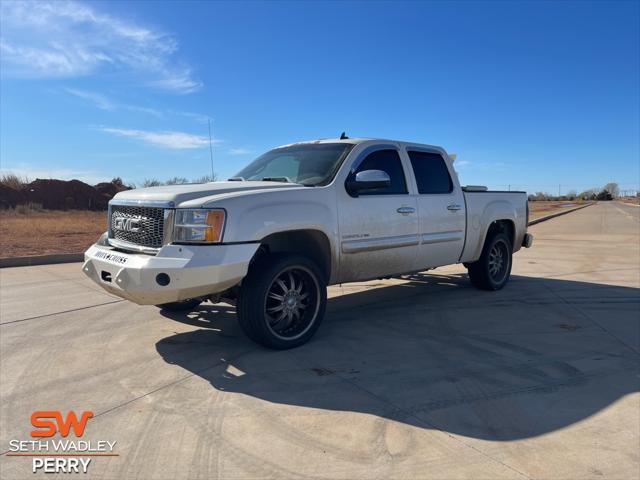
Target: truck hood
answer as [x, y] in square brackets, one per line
[176, 194]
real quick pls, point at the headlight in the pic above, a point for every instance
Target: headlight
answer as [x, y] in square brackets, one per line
[198, 225]
[103, 240]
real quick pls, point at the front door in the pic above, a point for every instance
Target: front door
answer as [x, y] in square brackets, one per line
[378, 228]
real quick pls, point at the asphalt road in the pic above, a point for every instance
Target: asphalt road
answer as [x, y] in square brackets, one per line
[423, 377]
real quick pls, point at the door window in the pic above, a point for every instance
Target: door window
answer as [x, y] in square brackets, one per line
[388, 161]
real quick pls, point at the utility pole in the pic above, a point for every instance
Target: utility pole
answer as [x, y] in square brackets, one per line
[210, 149]
[559, 190]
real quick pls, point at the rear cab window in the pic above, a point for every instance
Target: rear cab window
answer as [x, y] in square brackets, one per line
[431, 172]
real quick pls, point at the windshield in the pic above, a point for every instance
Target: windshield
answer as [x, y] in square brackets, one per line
[310, 164]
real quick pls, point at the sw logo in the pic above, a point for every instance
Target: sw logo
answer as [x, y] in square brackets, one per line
[49, 422]
[60, 455]
[46, 427]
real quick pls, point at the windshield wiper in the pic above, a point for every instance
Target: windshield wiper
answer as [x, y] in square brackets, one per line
[276, 179]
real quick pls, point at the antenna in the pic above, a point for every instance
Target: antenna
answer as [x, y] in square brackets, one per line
[343, 136]
[211, 149]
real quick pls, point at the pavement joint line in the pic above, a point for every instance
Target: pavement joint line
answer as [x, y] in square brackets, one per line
[588, 317]
[59, 313]
[430, 425]
[444, 403]
[222, 361]
[589, 271]
[92, 286]
[192, 374]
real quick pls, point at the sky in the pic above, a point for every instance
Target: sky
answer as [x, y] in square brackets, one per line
[540, 96]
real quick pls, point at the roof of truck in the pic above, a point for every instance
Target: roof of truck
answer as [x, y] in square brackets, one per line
[359, 140]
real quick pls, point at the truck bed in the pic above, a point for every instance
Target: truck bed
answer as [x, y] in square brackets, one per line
[480, 206]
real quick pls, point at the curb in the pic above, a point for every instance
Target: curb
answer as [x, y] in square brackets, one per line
[558, 214]
[41, 260]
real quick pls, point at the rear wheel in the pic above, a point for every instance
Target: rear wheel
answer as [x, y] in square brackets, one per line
[181, 306]
[493, 268]
[282, 301]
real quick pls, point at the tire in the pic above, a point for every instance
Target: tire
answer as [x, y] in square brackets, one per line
[282, 301]
[493, 268]
[181, 306]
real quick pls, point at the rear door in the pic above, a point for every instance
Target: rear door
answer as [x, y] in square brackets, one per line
[441, 209]
[378, 229]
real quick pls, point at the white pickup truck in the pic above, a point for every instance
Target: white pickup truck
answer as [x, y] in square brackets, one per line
[301, 217]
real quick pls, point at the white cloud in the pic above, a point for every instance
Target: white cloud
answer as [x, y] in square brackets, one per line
[172, 140]
[53, 62]
[240, 151]
[70, 39]
[198, 117]
[105, 103]
[98, 100]
[179, 81]
[461, 163]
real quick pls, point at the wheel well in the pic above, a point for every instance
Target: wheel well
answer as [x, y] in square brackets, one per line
[502, 226]
[313, 244]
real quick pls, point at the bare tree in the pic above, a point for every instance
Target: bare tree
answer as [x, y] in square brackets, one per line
[206, 178]
[604, 195]
[538, 196]
[150, 182]
[176, 181]
[13, 181]
[613, 189]
[588, 194]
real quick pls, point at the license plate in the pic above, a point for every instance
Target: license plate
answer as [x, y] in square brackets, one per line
[112, 257]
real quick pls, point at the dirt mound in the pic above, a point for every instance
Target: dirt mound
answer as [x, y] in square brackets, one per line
[61, 194]
[10, 197]
[107, 190]
[64, 195]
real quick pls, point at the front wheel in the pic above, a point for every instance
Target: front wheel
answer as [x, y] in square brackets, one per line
[493, 268]
[282, 301]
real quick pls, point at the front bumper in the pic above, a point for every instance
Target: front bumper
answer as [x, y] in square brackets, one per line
[191, 271]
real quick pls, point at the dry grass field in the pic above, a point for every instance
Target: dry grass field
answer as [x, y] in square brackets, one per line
[545, 207]
[631, 200]
[41, 232]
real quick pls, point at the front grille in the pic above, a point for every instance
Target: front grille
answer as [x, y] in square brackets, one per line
[142, 226]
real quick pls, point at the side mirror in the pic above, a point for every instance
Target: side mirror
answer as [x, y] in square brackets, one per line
[367, 180]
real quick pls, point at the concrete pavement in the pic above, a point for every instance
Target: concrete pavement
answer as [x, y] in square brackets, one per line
[420, 377]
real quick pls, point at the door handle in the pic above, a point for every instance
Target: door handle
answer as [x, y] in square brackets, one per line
[453, 207]
[406, 210]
